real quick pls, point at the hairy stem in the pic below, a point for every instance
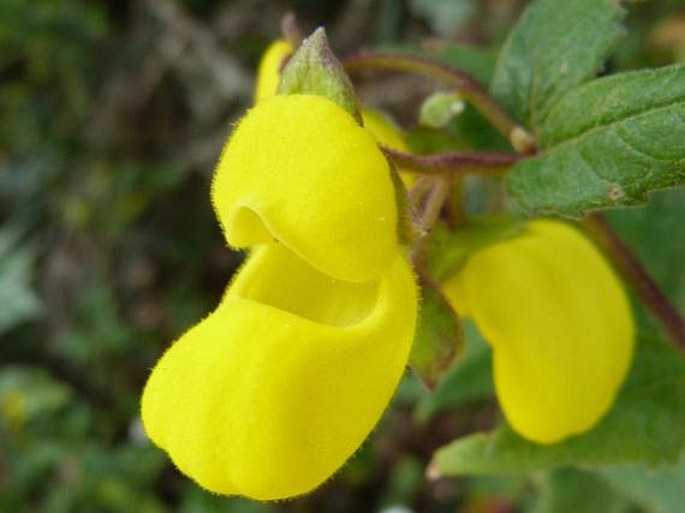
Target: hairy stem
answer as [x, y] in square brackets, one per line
[637, 276]
[489, 164]
[430, 213]
[466, 85]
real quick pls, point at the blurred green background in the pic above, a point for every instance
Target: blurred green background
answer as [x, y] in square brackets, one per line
[112, 116]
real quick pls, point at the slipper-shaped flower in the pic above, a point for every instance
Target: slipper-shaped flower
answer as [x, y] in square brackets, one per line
[276, 389]
[299, 169]
[559, 324]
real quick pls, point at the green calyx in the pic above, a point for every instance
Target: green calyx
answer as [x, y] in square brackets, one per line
[314, 69]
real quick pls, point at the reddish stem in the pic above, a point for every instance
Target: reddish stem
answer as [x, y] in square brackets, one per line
[637, 276]
[490, 164]
[462, 82]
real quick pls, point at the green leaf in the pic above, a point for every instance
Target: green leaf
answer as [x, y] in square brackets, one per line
[607, 143]
[556, 46]
[647, 424]
[568, 490]
[314, 69]
[469, 380]
[658, 490]
[439, 336]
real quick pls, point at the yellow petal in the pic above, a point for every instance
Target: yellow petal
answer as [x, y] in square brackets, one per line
[276, 389]
[269, 72]
[387, 134]
[559, 323]
[298, 169]
[383, 130]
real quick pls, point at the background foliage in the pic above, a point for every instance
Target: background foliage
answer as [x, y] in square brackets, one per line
[112, 115]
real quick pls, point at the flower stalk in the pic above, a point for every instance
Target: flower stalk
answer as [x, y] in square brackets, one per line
[485, 164]
[434, 201]
[637, 276]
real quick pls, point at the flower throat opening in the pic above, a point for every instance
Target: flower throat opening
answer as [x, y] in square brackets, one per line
[288, 283]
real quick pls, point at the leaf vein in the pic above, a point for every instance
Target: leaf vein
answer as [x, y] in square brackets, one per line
[573, 139]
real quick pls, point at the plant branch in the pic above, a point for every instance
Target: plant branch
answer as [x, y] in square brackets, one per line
[489, 164]
[637, 276]
[466, 85]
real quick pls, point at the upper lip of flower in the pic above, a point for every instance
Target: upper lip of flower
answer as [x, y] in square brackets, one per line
[298, 169]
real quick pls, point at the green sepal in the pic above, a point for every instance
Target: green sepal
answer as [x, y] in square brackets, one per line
[439, 336]
[406, 233]
[468, 381]
[314, 69]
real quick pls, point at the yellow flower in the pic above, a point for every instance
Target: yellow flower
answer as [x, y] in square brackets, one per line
[278, 387]
[272, 392]
[559, 324]
[269, 72]
[298, 169]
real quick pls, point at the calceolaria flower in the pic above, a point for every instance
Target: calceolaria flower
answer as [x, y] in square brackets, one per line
[559, 324]
[273, 392]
